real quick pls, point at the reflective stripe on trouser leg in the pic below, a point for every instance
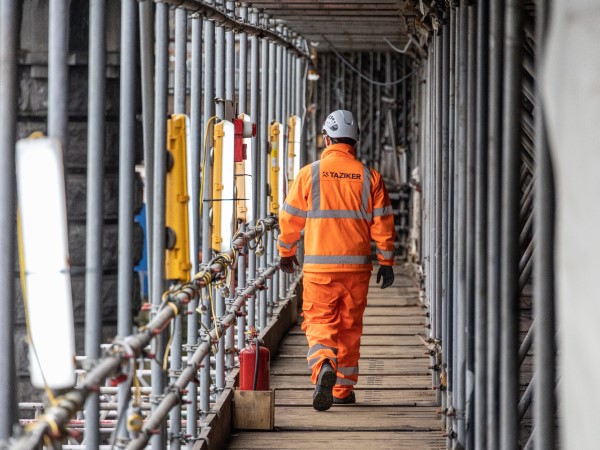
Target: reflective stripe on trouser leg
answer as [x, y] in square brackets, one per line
[317, 357]
[319, 309]
[346, 381]
[333, 306]
[351, 309]
[317, 353]
[347, 371]
[347, 376]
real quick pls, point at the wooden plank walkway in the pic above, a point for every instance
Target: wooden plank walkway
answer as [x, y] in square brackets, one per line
[395, 406]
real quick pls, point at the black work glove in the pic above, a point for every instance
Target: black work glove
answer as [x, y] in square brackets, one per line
[286, 263]
[387, 272]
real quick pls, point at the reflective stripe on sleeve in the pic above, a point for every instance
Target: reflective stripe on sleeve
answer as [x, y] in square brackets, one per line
[293, 210]
[316, 185]
[284, 245]
[348, 371]
[386, 211]
[337, 259]
[386, 254]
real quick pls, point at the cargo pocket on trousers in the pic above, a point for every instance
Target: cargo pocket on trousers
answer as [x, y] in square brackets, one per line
[316, 289]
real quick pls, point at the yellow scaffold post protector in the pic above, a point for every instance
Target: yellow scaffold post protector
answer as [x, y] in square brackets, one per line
[291, 148]
[178, 253]
[217, 195]
[274, 174]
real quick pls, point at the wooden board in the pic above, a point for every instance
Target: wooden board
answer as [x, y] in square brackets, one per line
[380, 381]
[395, 403]
[367, 366]
[380, 302]
[399, 281]
[383, 301]
[395, 291]
[254, 410]
[380, 339]
[398, 288]
[216, 425]
[366, 351]
[403, 358]
[342, 440]
[385, 311]
[357, 418]
[385, 330]
[364, 397]
[404, 316]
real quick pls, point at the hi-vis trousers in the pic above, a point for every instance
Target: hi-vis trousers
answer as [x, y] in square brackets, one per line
[333, 307]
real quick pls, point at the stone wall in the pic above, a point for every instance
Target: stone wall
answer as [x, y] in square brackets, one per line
[32, 110]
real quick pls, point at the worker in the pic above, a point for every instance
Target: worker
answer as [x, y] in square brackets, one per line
[341, 205]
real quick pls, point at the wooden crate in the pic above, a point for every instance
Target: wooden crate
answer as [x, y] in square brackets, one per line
[254, 410]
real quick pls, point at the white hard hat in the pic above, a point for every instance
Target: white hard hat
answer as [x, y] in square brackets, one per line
[341, 124]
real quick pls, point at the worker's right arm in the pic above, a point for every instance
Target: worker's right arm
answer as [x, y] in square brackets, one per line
[292, 215]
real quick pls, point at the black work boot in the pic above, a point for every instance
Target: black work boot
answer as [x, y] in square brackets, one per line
[323, 395]
[351, 399]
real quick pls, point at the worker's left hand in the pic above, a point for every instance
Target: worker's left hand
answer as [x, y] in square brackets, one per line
[286, 263]
[387, 272]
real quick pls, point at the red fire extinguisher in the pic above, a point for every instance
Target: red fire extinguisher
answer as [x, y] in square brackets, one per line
[254, 372]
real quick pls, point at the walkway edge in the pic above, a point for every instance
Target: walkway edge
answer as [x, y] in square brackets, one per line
[218, 425]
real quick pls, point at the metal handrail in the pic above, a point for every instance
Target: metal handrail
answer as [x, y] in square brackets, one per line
[174, 391]
[55, 420]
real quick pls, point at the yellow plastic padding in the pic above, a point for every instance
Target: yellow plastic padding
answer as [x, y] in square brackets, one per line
[274, 165]
[178, 257]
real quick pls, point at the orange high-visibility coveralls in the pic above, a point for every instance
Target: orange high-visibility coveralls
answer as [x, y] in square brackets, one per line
[341, 204]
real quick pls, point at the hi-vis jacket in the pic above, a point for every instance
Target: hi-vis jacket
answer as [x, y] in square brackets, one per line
[341, 204]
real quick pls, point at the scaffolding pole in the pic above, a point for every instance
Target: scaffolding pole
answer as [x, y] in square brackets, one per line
[209, 111]
[544, 294]
[161, 77]
[509, 256]
[95, 189]
[9, 11]
[256, 158]
[481, 274]
[127, 120]
[196, 134]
